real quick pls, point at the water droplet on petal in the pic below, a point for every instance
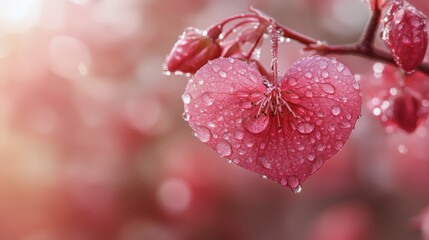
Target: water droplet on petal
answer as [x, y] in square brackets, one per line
[309, 94]
[416, 22]
[292, 81]
[222, 74]
[211, 124]
[283, 182]
[405, 39]
[338, 145]
[308, 75]
[325, 74]
[186, 116]
[231, 60]
[242, 70]
[215, 67]
[345, 124]
[340, 67]
[208, 100]
[293, 182]
[335, 110]
[297, 189]
[239, 135]
[417, 39]
[202, 133]
[305, 127]
[328, 88]
[311, 157]
[322, 64]
[320, 147]
[256, 125]
[186, 98]
[399, 15]
[223, 148]
[265, 162]
[246, 105]
[253, 78]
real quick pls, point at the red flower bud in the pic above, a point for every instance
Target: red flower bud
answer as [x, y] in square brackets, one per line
[193, 50]
[406, 112]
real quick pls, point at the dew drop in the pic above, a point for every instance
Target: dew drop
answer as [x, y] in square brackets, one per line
[239, 135]
[211, 125]
[222, 74]
[338, 145]
[293, 182]
[283, 182]
[345, 124]
[231, 60]
[215, 67]
[264, 176]
[340, 67]
[223, 148]
[328, 88]
[322, 64]
[256, 125]
[311, 157]
[325, 74]
[416, 22]
[292, 82]
[297, 189]
[348, 116]
[253, 78]
[265, 162]
[335, 111]
[355, 85]
[242, 70]
[320, 147]
[186, 98]
[308, 75]
[417, 39]
[201, 81]
[399, 15]
[305, 127]
[241, 151]
[186, 116]
[202, 133]
[405, 39]
[246, 105]
[309, 94]
[208, 100]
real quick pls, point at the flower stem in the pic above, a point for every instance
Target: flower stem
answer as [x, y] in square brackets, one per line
[364, 47]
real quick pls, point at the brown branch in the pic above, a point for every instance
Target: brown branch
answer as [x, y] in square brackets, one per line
[364, 47]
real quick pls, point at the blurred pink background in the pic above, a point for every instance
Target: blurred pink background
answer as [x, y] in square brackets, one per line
[93, 146]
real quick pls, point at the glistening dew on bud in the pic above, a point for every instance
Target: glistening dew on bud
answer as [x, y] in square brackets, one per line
[193, 49]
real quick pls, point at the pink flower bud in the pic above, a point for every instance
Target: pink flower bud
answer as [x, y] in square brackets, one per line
[193, 50]
[406, 112]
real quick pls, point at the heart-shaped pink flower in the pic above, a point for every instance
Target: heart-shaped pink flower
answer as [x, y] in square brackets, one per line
[283, 132]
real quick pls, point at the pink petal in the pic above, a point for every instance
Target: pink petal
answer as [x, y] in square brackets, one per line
[405, 34]
[221, 102]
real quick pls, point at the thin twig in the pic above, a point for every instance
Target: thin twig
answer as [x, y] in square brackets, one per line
[364, 47]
